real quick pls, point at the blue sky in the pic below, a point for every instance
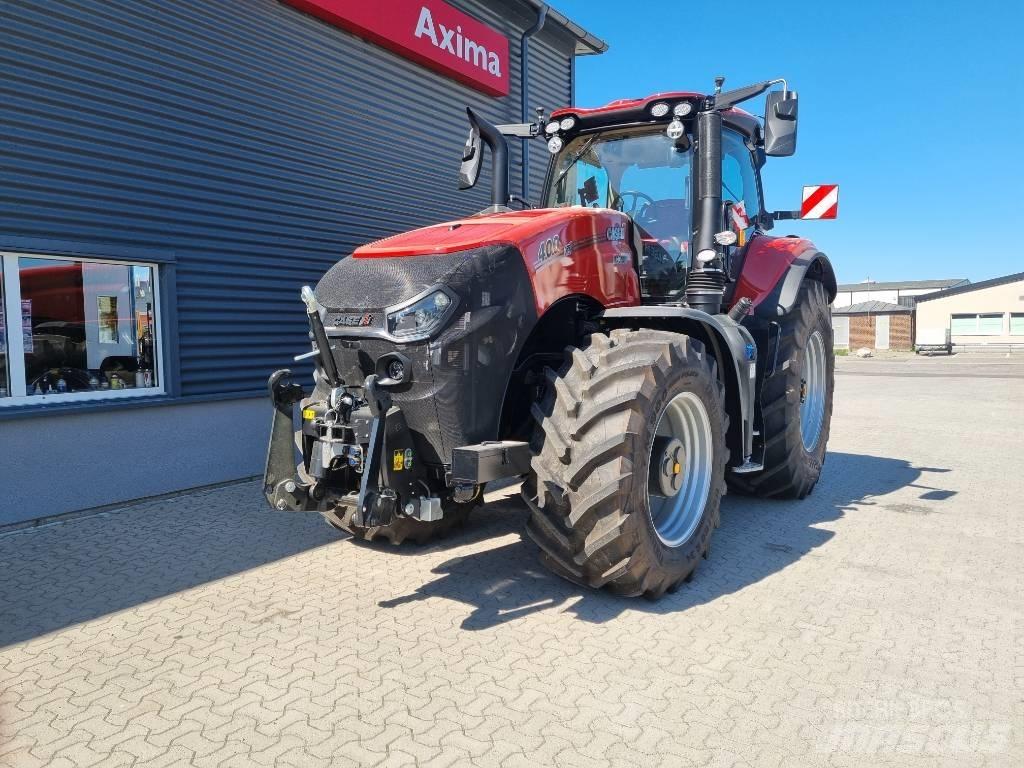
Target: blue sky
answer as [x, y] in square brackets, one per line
[887, 93]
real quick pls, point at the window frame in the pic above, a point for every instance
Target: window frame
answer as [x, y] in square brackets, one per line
[5, 368]
[977, 331]
[18, 396]
[1016, 316]
[748, 154]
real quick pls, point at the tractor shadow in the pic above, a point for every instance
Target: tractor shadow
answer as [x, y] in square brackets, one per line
[757, 538]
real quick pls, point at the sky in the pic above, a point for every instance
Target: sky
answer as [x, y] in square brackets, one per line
[916, 109]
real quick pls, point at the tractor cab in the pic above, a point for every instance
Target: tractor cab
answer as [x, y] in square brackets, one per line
[639, 156]
[644, 174]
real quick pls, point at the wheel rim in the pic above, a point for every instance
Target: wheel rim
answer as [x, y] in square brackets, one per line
[681, 460]
[812, 391]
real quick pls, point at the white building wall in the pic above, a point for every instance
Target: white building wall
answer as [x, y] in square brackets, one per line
[892, 297]
[841, 331]
[846, 298]
[842, 299]
[936, 314]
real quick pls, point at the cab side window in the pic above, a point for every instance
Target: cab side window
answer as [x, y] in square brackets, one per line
[739, 182]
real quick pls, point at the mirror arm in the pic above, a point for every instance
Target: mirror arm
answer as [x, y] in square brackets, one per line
[730, 99]
[519, 130]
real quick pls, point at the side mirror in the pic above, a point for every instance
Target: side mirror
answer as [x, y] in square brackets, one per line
[482, 132]
[780, 120]
[469, 171]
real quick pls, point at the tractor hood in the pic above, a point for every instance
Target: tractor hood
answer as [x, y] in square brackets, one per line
[515, 228]
[562, 250]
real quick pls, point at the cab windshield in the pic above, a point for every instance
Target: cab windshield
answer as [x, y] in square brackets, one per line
[645, 174]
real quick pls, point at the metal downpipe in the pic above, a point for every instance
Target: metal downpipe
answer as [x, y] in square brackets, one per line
[524, 79]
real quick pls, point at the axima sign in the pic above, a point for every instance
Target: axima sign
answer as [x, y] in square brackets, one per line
[429, 32]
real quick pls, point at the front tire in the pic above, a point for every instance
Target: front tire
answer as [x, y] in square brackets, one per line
[629, 464]
[797, 402]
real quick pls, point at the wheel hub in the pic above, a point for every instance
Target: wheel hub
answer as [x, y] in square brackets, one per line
[667, 461]
[681, 467]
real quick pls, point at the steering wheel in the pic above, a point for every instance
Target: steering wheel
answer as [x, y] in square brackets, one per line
[637, 197]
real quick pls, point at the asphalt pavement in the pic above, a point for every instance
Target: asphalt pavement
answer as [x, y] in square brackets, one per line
[880, 622]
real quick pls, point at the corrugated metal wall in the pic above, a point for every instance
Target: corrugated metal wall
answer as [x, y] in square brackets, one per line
[256, 142]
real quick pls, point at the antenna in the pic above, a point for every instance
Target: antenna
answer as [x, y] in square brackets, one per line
[719, 82]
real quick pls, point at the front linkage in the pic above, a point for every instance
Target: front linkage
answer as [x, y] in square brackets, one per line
[355, 432]
[347, 431]
[357, 451]
[284, 491]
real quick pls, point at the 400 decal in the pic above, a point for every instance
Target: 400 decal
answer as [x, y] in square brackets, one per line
[551, 248]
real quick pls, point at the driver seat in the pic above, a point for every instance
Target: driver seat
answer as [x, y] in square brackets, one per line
[666, 219]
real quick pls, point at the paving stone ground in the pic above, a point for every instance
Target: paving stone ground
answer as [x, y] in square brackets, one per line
[880, 622]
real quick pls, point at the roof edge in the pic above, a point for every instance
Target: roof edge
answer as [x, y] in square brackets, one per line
[890, 285]
[990, 283]
[872, 307]
[587, 44]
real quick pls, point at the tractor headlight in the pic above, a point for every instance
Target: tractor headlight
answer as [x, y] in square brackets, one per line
[551, 127]
[554, 144]
[660, 109]
[567, 123]
[421, 318]
[682, 109]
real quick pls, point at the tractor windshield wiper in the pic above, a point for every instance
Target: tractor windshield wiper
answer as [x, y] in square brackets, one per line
[575, 159]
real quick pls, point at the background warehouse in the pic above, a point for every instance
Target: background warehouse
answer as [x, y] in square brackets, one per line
[241, 147]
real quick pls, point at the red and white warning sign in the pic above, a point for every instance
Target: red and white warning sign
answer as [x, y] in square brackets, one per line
[821, 201]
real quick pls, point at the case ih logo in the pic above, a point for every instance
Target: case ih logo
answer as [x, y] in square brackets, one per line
[430, 32]
[354, 321]
[615, 233]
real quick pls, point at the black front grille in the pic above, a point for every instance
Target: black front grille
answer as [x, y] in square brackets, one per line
[458, 378]
[373, 283]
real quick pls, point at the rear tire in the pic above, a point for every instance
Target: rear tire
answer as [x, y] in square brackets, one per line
[792, 466]
[590, 489]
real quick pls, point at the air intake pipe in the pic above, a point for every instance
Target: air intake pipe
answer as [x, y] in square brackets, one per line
[705, 284]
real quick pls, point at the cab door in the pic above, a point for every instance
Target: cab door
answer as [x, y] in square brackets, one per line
[741, 188]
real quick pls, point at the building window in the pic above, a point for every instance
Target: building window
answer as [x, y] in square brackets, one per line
[990, 324]
[1017, 324]
[88, 330]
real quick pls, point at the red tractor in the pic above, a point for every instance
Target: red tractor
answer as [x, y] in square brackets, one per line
[628, 349]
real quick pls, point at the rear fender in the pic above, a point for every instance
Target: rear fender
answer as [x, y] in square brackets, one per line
[733, 348]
